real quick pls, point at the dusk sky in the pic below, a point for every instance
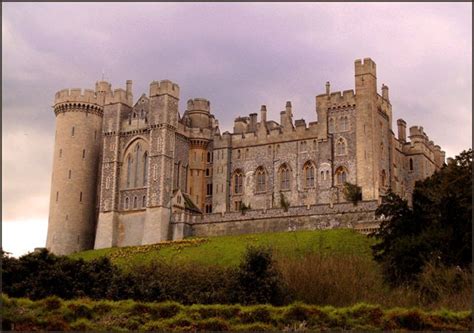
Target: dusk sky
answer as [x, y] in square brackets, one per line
[237, 55]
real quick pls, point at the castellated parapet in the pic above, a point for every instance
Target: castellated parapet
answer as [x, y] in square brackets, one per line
[169, 174]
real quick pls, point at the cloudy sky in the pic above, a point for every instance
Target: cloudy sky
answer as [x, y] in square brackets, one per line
[237, 55]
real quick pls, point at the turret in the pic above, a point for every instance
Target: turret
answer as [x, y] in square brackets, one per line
[402, 130]
[328, 88]
[263, 114]
[385, 92]
[199, 111]
[72, 214]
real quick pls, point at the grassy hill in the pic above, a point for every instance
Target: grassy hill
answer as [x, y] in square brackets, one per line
[227, 250]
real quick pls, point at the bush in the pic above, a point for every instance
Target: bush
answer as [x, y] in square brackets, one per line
[258, 280]
[352, 192]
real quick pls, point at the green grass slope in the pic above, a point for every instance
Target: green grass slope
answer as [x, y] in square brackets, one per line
[227, 250]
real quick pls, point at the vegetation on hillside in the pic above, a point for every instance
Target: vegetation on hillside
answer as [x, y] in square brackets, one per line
[437, 231]
[54, 314]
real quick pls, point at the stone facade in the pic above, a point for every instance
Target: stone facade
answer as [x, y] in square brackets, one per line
[150, 173]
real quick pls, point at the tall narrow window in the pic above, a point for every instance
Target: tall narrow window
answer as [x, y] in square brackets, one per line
[341, 147]
[95, 135]
[135, 202]
[208, 157]
[411, 164]
[144, 201]
[83, 154]
[383, 178]
[341, 176]
[284, 177]
[137, 158]
[129, 169]
[261, 186]
[309, 174]
[331, 125]
[80, 197]
[57, 196]
[69, 174]
[145, 168]
[72, 131]
[238, 182]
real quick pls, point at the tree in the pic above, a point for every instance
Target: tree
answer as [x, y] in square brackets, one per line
[438, 229]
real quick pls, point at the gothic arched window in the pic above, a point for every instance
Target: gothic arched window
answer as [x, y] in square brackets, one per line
[126, 203]
[341, 147]
[331, 125]
[383, 178]
[411, 164]
[129, 168]
[344, 123]
[308, 171]
[341, 175]
[238, 182]
[145, 168]
[284, 177]
[137, 158]
[261, 179]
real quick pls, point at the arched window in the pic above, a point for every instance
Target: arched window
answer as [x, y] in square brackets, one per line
[344, 123]
[208, 157]
[261, 179]
[382, 178]
[238, 154]
[145, 168]
[308, 171]
[238, 182]
[284, 177]
[144, 201]
[126, 203]
[331, 125]
[411, 164]
[341, 147]
[129, 168]
[322, 175]
[327, 175]
[341, 176]
[135, 201]
[207, 172]
[137, 158]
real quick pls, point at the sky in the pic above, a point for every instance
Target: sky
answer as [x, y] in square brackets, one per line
[237, 55]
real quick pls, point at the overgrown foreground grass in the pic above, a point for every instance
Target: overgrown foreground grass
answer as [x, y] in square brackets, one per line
[83, 315]
[228, 250]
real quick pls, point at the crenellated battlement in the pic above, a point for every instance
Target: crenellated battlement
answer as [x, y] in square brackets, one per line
[117, 96]
[76, 95]
[199, 104]
[337, 99]
[164, 87]
[417, 131]
[367, 66]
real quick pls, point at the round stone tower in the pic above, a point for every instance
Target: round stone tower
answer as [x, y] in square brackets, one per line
[77, 149]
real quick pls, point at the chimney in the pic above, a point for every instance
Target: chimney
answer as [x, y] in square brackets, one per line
[328, 88]
[129, 92]
[402, 130]
[385, 92]
[288, 109]
[263, 114]
[253, 122]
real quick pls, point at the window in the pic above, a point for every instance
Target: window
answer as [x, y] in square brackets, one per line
[135, 202]
[237, 205]
[57, 196]
[411, 164]
[247, 153]
[238, 182]
[138, 149]
[95, 134]
[209, 189]
[341, 176]
[144, 201]
[208, 157]
[72, 131]
[382, 178]
[344, 123]
[327, 175]
[284, 177]
[83, 154]
[331, 125]
[60, 153]
[341, 147]
[145, 168]
[309, 174]
[69, 174]
[129, 169]
[126, 203]
[207, 172]
[80, 197]
[270, 150]
[322, 175]
[260, 173]
[238, 154]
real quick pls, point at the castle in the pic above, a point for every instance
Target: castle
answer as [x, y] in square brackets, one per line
[128, 173]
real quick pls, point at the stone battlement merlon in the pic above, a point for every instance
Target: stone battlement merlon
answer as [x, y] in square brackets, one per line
[199, 104]
[164, 87]
[76, 95]
[367, 66]
[119, 95]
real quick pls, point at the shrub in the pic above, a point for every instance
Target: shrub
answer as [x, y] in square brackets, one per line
[258, 280]
[213, 324]
[352, 192]
[256, 314]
